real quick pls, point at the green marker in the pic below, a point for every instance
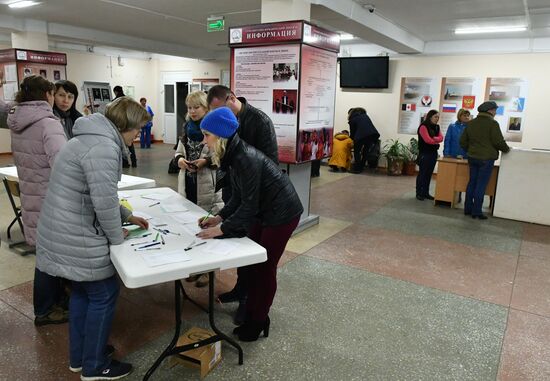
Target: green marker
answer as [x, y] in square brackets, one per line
[157, 237]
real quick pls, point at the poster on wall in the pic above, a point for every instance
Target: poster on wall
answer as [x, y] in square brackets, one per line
[510, 95]
[318, 92]
[417, 98]
[267, 76]
[96, 96]
[458, 93]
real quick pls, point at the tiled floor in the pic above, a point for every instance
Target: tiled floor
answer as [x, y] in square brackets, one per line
[385, 288]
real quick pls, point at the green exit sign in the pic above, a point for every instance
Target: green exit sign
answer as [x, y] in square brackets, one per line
[215, 24]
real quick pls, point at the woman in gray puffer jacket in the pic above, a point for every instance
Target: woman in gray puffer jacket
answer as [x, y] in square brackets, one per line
[80, 218]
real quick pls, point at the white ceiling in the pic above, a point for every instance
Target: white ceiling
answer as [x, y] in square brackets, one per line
[435, 20]
[179, 26]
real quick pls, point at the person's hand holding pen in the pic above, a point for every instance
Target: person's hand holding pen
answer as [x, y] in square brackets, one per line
[209, 221]
[215, 231]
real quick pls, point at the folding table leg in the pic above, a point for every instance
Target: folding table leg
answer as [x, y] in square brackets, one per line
[221, 335]
[172, 344]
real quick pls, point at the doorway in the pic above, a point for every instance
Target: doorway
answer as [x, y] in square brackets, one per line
[174, 90]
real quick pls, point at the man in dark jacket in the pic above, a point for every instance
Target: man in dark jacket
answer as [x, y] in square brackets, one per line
[364, 136]
[481, 139]
[256, 129]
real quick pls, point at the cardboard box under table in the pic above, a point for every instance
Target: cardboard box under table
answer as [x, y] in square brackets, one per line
[135, 269]
[203, 358]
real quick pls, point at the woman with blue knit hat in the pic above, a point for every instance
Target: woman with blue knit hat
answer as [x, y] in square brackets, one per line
[263, 205]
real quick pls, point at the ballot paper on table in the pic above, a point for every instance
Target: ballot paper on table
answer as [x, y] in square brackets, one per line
[154, 259]
[173, 208]
[191, 229]
[141, 214]
[186, 218]
[220, 246]
[156, 196]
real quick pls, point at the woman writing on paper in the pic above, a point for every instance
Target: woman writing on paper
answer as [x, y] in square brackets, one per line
[80, 218]
[263, 205]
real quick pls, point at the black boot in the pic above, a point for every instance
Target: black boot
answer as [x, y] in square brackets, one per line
[250, 330]
[240, 315]
[236, 294]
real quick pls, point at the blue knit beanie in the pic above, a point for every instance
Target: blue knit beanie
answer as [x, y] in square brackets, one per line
[220, 122]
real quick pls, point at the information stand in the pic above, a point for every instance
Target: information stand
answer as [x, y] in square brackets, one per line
[288, 70]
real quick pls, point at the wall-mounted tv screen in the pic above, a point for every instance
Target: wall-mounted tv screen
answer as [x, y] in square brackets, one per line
[364, 72]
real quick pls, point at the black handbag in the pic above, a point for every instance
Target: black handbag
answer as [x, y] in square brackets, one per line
[173, 166]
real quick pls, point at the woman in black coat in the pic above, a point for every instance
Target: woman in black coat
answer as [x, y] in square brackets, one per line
[263, 205]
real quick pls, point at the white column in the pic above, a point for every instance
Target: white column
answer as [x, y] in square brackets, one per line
[285, 10]
[33, 36]
[30, 41]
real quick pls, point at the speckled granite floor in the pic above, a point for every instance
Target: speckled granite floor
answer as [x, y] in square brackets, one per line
[385, 288]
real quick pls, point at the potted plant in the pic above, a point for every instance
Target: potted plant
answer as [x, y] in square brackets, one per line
[409, 167]
[395, 153]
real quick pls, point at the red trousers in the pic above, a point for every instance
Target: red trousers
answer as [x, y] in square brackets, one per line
[262, 277]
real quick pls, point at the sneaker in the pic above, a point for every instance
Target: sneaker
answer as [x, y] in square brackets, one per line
[55, 316]
[114, 371]
[109, 351]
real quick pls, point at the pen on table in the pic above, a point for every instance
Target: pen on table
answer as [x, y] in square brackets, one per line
[157, 237]
[162, 239]
[141, 243]
[190, 247]
[149, 245]
[150, 248]
[156, 203]
[141, 236]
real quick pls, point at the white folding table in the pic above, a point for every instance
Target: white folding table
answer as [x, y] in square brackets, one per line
[126, 182]
[135, 272]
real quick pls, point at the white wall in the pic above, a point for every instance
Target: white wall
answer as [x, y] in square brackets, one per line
[383, 105]
[143, 74]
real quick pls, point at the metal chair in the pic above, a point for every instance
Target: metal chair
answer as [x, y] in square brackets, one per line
[12, 190]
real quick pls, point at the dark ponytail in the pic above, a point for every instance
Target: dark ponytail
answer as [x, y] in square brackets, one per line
[34, 88]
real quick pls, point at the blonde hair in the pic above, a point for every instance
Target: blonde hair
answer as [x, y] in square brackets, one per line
[196, 99]
[126, 114]
[461, 112]
[219, 149]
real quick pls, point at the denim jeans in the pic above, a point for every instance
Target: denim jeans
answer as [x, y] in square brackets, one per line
[480, 173]
[426, 165]
[48, 291]
[92, 308]
[145, 137]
